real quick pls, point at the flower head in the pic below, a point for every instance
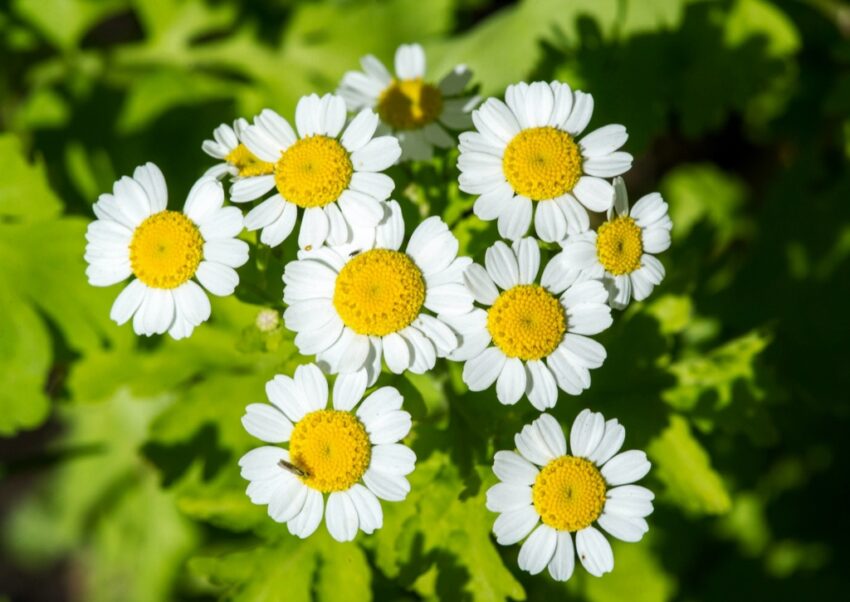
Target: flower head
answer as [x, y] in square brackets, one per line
[532, 337]
[416, 111]
[135, 235]
[526, 162]
[329, 171]
[568, 494]
[353, 304]
[621, 251]
[349, 452]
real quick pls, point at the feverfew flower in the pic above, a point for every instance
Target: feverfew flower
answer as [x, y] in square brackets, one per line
[353, 304]
[330, 171]
[235, 158]
[621, 251]
[135, 235]
[600, 488]
[525, 162]
[349, 452]
[532, 338]
[415, 111]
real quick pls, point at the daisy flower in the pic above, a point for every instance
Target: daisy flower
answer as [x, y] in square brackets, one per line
[532, 488]
[417, 112]
[525, 162]
[350, 306]
[236, 159]
[328, 170]
[621, 251]
[531, 338]
[351, 455]
[135, 235]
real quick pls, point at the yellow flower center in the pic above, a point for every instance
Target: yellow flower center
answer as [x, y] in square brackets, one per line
[379, 292]
[527, 322]
[332, 448]
[313, 172]
[542, 163]
[569, 493]
[247, 163]
[619, 246]
[410, 104]
[166, 249]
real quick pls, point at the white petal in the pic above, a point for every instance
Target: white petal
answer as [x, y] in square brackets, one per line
[608, 166]
[504, 497]
[341, 516]
[265, 213]
[314, 228]
[313, 385]
[581, 113]
[377, 154]
[513, 468]
[369, 513]
[307, 521]
[217, 278]
[594, 551]
[528, 259]
[626, 467]
[511, 527]
[482, 371]
[152, 181]
[393, 458]
[586, 433]
[541, 389]
[223, 223]
[191, 303]
[550, 223]
[393, 488]
[128, 302]
[266, 423]
[277, 128]
[510, 385]
[360, 130]
[539, 548]
[516, 219]
[624, 528]
[381, 401]
[564, 560]
[249, 189]
[388, 428]
[594, 193]
[502, 265]
[480, 284]
[288, 501]
[603, 141]
[610, 444]
[231, 252]
[348, 390]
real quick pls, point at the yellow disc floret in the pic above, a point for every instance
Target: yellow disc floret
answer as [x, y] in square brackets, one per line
[313, 172]
[331, 448]
[527, 322]
[378, 292]
[619, 245]
[569, 493]
[166, 249]
[409, 104]
[542, 163]
[247, 163]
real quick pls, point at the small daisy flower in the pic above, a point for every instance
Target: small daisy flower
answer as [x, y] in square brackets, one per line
[135, 235]
[621, 251]
[531, 338]
[525, 162]
[351, 455]
[350, 306]
[417, 112]
[599, 488]
[236, 159]
[330, 171]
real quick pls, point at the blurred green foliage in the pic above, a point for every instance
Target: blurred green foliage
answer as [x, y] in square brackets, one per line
[119, 459]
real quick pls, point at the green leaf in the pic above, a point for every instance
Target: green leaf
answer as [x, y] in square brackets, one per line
[317, 568]
[683, 467]
[638, 576]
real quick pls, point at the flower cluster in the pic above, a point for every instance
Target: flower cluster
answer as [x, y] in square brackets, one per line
[365, 293]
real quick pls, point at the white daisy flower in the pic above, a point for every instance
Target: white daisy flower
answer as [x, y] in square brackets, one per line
[350, 306]
[621, 251]
[524, 154]
[333, 175]
[531, 339]
[351, 455]
[599, 489]
[135, 235]
[236, 159]
[417, 112]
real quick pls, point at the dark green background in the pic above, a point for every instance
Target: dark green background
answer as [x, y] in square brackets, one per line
[118, 456]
